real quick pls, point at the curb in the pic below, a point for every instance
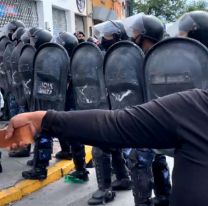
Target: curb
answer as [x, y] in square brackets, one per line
[26, 187]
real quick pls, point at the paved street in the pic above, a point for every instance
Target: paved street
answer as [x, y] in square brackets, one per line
[13, 167]
[68, 194]
[57, 193]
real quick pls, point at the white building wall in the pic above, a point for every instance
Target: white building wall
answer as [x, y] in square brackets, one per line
[44, 8]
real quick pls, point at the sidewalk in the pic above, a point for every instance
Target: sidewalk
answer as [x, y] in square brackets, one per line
[13, 187]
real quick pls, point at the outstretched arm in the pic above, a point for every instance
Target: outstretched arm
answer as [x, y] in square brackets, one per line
[149, 125]
[154, 124]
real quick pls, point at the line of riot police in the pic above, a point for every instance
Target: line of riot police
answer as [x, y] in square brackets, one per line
[117, 74]
[22, 50]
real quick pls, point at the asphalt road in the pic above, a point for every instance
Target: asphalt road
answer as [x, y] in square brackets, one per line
[68, 194]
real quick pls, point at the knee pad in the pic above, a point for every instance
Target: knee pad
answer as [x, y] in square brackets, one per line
[44, 148]
[141, 158]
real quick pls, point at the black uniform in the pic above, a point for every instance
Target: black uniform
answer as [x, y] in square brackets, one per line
[178, 120]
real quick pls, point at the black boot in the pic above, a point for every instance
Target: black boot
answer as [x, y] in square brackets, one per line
[102, 162]
[162, 185]
[142, 186]
[30, 162]
[23, 152]
[139, 163]
[42, 155]
[78, 154]
[77, 176]
[66, 151]
[102, 197]
[122, 181]
[35, 174]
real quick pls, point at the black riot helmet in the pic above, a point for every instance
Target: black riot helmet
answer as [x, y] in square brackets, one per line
[18, 33]
[109, 32]
[145, 26]
[25, 38]
[32, 30]
[68, 41]
[12, 26]
[194, 25]
[121, 34]
[110, 28]
[39, 37]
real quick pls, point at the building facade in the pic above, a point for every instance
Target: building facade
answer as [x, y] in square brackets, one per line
[53, 15]
[62, 15]
[18, 9]
[108, 10]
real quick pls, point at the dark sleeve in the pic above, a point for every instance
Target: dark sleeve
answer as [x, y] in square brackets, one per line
[151, 125]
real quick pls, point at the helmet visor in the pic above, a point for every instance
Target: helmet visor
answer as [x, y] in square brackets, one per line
[18, 33]
[9, 29]
[134, 25]
[105, 29]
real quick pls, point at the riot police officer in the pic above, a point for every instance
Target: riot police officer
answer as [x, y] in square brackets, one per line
[12, 26]
[145, 31]
[39, 36]
[194, 25]
[11, 104]
[68, 41]
[14, 31]
[109, 33]
[21, 106]
[43, 146]
[75, 151]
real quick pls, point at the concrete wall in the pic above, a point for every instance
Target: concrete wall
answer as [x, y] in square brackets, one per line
[89, 21]
[45, 12]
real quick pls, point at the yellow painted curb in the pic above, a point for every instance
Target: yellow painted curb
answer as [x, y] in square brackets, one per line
[26, 187]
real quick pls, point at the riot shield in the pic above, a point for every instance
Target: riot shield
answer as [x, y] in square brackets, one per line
[4, 41]
[51, 67]
[5, 68]
[25, 75]
[87, 77]
[174, 65]
[14, 70]
[124, 78]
